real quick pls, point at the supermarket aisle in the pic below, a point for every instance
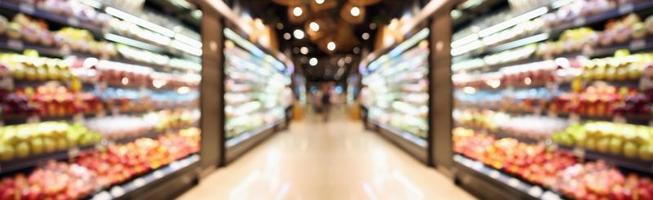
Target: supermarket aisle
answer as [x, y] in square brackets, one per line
[337, 160]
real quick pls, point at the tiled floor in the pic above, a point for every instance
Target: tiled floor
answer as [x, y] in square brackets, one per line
[335, 160]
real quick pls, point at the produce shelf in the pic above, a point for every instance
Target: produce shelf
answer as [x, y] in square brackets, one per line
[32, 10]
[126, 190]
[19, 164]
[19, 46]
[555, 33]
[620, 161]
[497, 178]
[98, 32]
[403, 134]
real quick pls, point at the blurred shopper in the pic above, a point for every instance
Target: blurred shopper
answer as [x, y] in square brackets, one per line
[326, 101]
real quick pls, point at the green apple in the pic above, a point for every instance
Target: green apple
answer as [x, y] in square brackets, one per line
[646, 152]
[630, 150]
[616, 145]
[36, 144]
[22, 149]
[50, 144]
[6, 152]
[603, 145]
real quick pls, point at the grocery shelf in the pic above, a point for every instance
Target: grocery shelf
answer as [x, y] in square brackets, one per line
[518, 188]
[20, 164]
[578, 22]
[130, 188]
[620, 161]
[19, 46]
[36, 12]
[609, 14]
[405, 135]
[249, 134]
[500, 134]
[98, 32]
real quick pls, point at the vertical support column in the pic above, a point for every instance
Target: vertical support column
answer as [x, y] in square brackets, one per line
[211, 101]
[442, 91]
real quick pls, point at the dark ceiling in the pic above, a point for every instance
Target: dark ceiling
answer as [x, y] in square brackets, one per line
[332, 65]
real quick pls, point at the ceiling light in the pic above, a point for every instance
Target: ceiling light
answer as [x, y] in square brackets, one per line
[331, 46]
[313, 61]
[365, 36]
[355, 11]
[297, 11]
[314, 26]
[287, 36]
[372, 26]
[357, 50]
[319, 2]
[299, 34]
[304, 50]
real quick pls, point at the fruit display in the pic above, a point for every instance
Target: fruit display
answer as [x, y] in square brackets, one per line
[257, 91]
[72, 8]
[395, 90]
[31, 67]
[20, 141]
[531, 127]
[118, 163]
[56, 180]
[80, 40]
[631, 141]
[572, 116]
[553, 169]
[99, 169]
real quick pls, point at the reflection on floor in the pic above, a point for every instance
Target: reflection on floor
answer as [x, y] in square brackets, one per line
[335, 160]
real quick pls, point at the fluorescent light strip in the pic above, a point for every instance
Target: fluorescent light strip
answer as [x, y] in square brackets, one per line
[130, 42]
[465, 40]
[514, 21]
[244, 43]
[188, 40]
[93, 3]
[186, 48]
[410, 42]
[529, 40]
[136, 20]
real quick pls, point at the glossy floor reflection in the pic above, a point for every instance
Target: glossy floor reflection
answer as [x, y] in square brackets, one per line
[334, 160]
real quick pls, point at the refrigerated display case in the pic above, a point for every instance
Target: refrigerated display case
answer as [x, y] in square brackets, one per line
[89, 107]
[395, 94]
[552, 101]
[258, 94]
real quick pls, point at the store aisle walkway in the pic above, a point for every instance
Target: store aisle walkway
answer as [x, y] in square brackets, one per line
[336, 160]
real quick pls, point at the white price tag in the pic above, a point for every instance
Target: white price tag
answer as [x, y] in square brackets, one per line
[619, 119]
[73, 21]
[574, 118]
[626, 8]
[535, 191]
[494, 174]
[158, 174]
[33, 119]
[637, 44]
[579, 21]
[26, 8]
[15, 44]
[139, 182]
[579, 152]
[7, 83]
[513, 182]
[74, 152]
[79, 118]
[117, 191]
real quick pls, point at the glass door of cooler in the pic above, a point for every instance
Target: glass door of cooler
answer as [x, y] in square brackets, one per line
[554, 101]
[257, 92]
[395, 92]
